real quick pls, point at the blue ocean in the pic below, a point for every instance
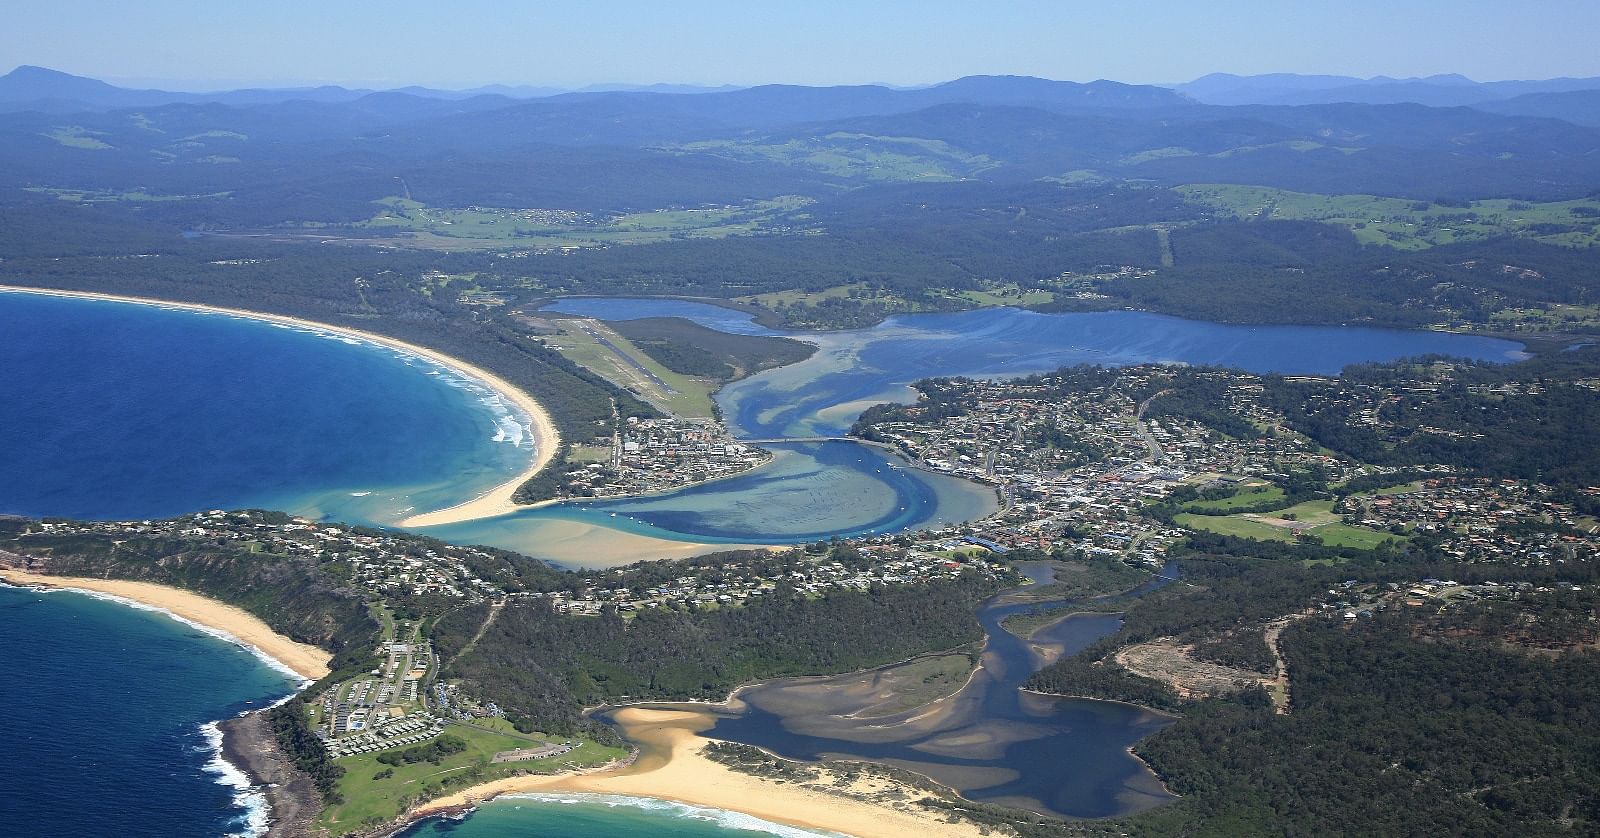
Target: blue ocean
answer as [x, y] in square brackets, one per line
[108, 733]
[118, 411]
[113, 411]
[106, 718]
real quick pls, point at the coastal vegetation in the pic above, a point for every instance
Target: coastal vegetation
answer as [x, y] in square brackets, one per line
[300, 743]
[692, 349]
[544, 667]
[377, 789]
[297, 597]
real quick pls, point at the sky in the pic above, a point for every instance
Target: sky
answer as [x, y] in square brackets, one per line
[195, 44]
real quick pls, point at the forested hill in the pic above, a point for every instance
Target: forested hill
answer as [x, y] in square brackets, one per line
[295, 596]
[1535, 420]
[545, 667]
[829, 206]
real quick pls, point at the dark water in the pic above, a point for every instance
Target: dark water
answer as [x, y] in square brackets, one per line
[112, 410]
[990, 741]
[104, 707]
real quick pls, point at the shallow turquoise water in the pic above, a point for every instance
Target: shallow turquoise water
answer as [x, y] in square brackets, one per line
[122, 411]
[817, 489]
[599, 816]
[115, 410]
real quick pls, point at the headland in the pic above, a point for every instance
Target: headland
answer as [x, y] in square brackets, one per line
[229, 622]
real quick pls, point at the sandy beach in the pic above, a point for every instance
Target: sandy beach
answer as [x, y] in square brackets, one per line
[238, 625]
[594, 546]
[496, 501]
[671, 767]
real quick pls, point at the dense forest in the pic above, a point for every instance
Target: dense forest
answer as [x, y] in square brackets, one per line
[1392, 733]
[1535, 420]
[544, 667]
[1474, 720]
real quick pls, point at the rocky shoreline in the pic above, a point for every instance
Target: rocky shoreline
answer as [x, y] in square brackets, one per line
[249, 744]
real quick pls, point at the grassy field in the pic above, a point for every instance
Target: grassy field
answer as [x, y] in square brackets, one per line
[1344, 535]
[1007, 295]
[1405, 224]
[98, 196]
[370, 801]
[680, 395]
[1234, 526]
[773, 299]
[857, 156]
[480, 227]
[73, 136]
[1249, 494]
[1317, 515]
[589, 454]
[1556, 317]
[1400, 489]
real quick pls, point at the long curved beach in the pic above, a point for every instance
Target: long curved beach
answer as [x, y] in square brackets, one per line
[496, 501]
[232, 623]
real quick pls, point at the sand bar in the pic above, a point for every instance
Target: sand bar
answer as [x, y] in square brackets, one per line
[236, 624]
[593, 546]
[671, 767]
[496, 501]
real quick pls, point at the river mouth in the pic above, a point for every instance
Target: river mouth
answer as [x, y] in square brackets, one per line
[988, 740]
[841, 487]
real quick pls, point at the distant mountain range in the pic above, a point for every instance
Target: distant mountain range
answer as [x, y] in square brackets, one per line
[1576, 100]
[251, 158]
[1450, 90]
[29, 88]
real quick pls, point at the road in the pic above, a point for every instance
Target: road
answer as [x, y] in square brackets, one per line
[1156, 454]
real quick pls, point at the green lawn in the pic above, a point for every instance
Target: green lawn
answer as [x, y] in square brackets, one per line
[589, 454]
[1312, 512]
[1234, 526]
[1318, 515]
[369, 801]
[1344, 535]
[1249, 495]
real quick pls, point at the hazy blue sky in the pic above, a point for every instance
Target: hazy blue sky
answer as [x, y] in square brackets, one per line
[470, 42]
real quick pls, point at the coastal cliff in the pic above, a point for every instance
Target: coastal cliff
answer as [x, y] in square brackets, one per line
[249, 744]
